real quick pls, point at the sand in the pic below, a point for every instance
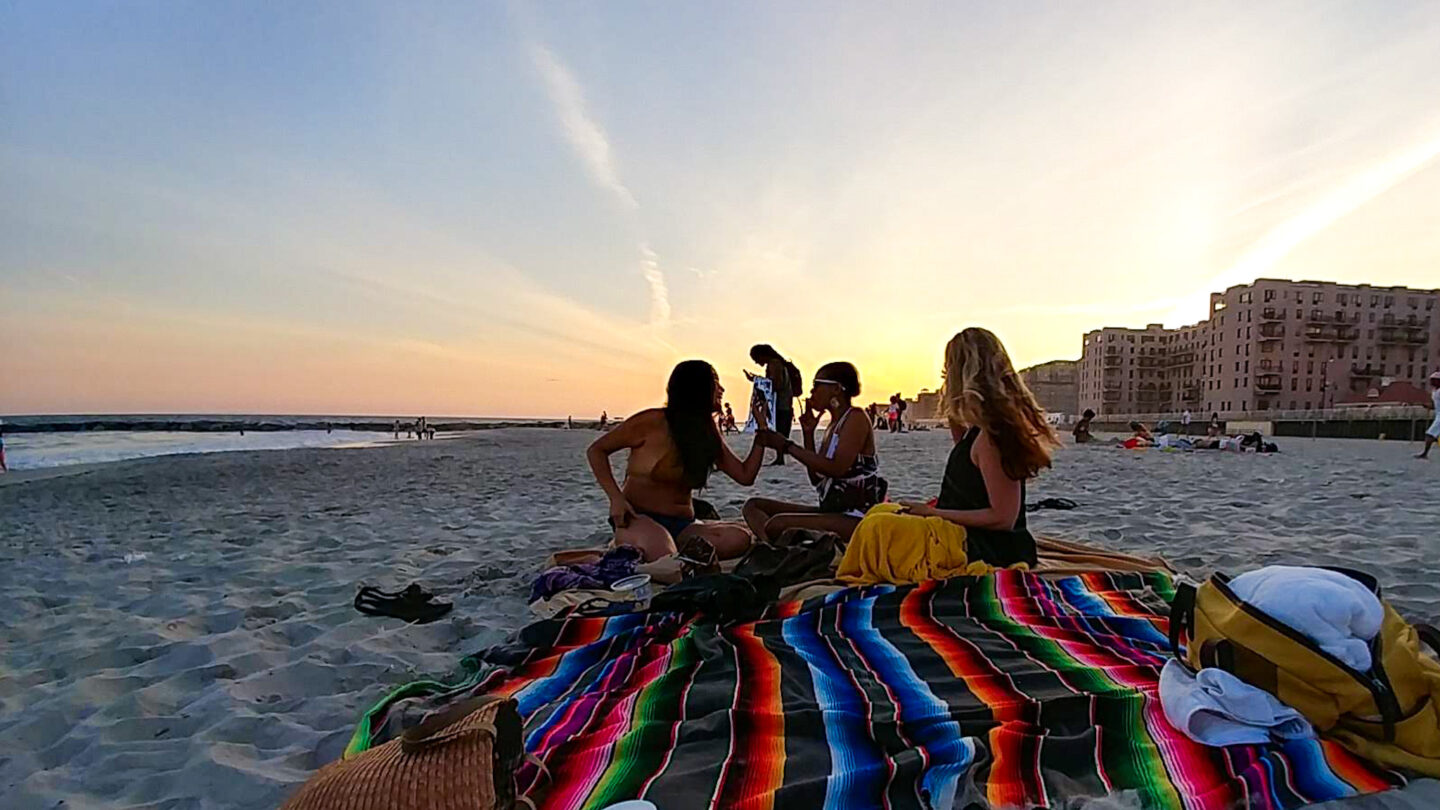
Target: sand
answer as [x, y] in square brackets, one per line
[223, 666]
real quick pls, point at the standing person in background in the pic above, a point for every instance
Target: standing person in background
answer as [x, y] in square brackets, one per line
[1214, 428]
[1185, 421]
[900, 413]
[1432, 434]
[729, 419]
[785, 380]
[395, 428]
[1082, 428]
[604, 419]
[3, 466]
[892, 415]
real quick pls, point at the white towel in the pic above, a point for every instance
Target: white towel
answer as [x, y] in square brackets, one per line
[1331, 609]
[1214, 707]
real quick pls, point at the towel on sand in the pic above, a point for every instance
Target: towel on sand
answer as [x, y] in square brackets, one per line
[1335, 611]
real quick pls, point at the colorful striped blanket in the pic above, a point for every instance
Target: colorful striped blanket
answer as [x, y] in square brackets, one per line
[1012, 690]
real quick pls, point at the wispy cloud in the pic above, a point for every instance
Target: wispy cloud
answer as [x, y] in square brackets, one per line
[585, 134]
[1360, 189]
[592, 144]
[659, 292]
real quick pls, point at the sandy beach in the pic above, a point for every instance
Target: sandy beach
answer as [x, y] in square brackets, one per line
[180, 631]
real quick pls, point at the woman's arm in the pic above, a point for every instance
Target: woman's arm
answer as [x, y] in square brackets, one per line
[743, 472]
[1002, 490]
[628, 434]
[852, 440]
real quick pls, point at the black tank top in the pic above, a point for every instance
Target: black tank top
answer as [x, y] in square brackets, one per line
[964, 488]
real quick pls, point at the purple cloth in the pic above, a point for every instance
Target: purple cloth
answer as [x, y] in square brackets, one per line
[618, 563]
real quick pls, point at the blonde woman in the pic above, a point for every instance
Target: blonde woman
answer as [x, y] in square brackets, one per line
[1002, 439]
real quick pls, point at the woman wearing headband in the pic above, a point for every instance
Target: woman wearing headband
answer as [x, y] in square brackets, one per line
[843, 466]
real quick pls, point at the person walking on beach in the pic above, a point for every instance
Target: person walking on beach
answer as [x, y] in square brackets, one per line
[785, 380]
[1432, 434]
[3, 466]
[396, 428]
[729, 419]
[1185, 422]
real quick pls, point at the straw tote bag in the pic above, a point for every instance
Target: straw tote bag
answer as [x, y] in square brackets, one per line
[463, 758]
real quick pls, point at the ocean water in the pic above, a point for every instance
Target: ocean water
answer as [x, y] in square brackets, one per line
[29, 451]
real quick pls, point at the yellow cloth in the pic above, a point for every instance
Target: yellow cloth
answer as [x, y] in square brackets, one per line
[904, 549]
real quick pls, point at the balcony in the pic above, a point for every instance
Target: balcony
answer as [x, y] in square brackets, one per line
[1417, 336]
[1181, 359]
[1267, 383]
[1110, 395]
[1271, 331]
[1391, 335]
[1190, 393]
[1318, 316]
[1150, 361]
[1113, 360]
[1345, 334]
[1272, 314]
[1367, 370]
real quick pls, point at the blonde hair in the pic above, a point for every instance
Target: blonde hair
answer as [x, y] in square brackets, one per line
[982, 390]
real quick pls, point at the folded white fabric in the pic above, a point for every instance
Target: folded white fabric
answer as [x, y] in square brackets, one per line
[1333, 610]
[1214, 707]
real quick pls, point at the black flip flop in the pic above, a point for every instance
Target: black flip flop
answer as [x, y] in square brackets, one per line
[1052, 503]
[413, 604]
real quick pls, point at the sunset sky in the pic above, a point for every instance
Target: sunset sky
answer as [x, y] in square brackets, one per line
[536, 209]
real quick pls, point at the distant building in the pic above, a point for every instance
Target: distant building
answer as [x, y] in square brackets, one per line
[1055, 385]
[1270, 345]
[1388, 393]
[925, 405]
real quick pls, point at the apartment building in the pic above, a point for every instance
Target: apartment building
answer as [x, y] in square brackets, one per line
[1270, 345]
[1055, 385]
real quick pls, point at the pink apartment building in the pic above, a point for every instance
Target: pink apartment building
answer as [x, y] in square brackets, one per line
[1273, 345]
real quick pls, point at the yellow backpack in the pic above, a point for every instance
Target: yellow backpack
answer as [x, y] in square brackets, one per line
[1389, 715]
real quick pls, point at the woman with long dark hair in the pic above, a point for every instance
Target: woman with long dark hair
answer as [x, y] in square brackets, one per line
[843, 467]
[672, 452]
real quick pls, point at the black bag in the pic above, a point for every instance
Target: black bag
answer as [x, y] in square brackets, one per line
[797, 380]
[799, 555]
[719, 597]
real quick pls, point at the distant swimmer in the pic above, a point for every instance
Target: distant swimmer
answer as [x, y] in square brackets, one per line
[1432, 434]
[1082, 428]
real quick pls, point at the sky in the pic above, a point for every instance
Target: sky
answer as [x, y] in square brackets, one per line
[513, 209]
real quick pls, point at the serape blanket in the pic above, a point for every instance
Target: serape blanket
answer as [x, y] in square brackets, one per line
[1009, 690]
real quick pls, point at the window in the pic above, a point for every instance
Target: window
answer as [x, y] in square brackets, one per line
[1374, 300]
[1299, 297]
[1316, 298]
[1299, 314]
[1310, 369]
[1372, 317]
[1269, 295]
[1246, 297]
[1389, 301]
[1247, 366]
[1413, 302]
[1342, 299]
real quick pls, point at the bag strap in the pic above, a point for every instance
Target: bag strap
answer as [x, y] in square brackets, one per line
[1428, 635]
[1182, 616]
[446, 725]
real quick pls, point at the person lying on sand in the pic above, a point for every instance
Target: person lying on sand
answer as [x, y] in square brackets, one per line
[1141, 436]
[1002, 439]
[672, 451]
[843, 467]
